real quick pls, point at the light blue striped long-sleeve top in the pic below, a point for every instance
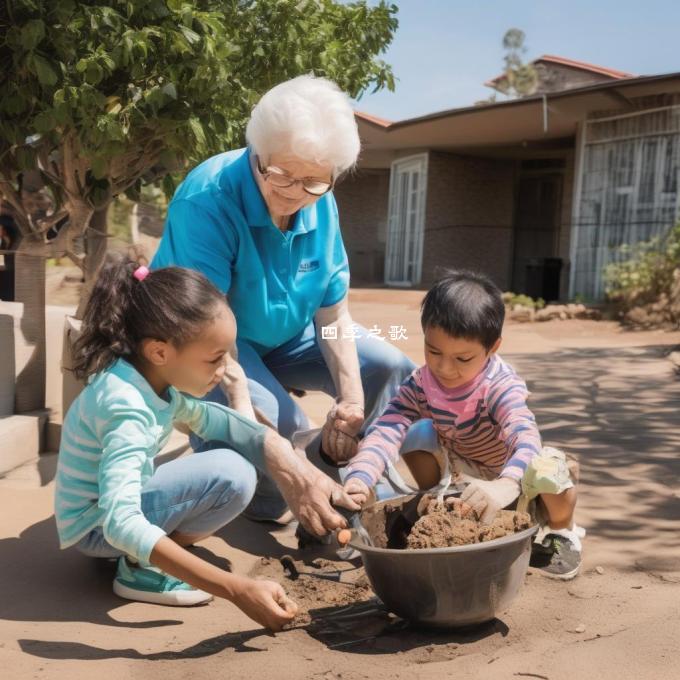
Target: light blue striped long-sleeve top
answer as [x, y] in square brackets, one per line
[111, 434]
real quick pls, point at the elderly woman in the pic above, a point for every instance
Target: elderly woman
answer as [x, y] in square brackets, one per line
[262, 224]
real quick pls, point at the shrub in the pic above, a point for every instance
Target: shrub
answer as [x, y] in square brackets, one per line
[647, 273]
[512, 299]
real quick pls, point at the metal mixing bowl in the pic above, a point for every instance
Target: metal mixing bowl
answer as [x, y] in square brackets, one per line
[448, 587]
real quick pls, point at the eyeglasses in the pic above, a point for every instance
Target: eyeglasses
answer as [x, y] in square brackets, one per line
[279, 178]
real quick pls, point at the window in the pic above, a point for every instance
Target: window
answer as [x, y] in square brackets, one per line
[628, 190]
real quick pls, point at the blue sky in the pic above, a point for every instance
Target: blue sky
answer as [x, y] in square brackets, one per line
[444, 50]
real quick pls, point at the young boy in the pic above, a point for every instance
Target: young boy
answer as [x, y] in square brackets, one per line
[470, 414]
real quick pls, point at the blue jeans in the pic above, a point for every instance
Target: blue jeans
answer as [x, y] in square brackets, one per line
[299, 364]
[196, 494]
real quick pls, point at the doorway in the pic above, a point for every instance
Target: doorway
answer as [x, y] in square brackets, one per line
[536, 269]
[405, 221]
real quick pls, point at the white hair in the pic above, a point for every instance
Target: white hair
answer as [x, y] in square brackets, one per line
[308, 117]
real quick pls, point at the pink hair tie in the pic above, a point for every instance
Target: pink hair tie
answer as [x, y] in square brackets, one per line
[141, 273]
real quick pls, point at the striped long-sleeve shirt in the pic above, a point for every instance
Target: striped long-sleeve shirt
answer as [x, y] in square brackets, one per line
[111, 434]
[486, 421]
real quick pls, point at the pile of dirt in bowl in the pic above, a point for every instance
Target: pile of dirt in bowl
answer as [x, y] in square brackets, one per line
[418, 522]
[442, 525]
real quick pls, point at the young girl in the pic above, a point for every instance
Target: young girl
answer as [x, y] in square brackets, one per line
[474, 420]
[149, 340]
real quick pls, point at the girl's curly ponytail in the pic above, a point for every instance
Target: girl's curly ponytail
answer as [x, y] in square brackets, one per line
[170, 304]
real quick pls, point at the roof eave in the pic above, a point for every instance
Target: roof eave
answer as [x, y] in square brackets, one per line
[532, 98]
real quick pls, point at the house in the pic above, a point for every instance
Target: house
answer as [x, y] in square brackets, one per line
[556, 74]
[539, 192]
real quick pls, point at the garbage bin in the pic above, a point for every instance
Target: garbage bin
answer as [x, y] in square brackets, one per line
[543, 278]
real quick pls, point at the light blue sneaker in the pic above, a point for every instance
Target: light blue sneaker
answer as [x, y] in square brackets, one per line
[150, 584]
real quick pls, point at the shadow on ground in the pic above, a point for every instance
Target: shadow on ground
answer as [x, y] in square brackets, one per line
[618, 412]
[390, 636]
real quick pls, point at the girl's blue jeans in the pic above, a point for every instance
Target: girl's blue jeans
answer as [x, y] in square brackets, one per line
[196, 495]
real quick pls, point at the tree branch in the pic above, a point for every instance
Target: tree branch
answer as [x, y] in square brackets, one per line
[48, 222]
[45, 163]
[73, 168]
[11, 195]
[77, 260]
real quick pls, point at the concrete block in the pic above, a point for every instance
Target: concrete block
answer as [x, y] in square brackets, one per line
[7, 365]
[21, 439]
[25, 350]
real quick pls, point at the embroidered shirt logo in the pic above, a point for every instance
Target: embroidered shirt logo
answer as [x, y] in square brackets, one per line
[308, 265]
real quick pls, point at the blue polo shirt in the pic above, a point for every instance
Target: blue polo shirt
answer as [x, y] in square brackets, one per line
[218, 224]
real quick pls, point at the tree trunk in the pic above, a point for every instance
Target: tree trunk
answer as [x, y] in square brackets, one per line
[29, 285]
[95, 251]
[134, 224]
[96, 244]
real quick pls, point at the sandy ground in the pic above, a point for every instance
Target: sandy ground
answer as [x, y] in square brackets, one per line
[608, 396]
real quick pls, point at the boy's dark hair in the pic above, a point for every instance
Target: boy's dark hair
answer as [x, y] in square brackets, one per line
[465, 304]
[171, 304]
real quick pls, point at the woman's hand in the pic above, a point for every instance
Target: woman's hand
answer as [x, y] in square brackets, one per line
[339, 434]
[311, 499]
[357, 490]
[487, 498]
[309, 493]
[265, 602]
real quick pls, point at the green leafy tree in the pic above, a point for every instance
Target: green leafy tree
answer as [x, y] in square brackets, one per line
[520, 78]
[99, 98]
